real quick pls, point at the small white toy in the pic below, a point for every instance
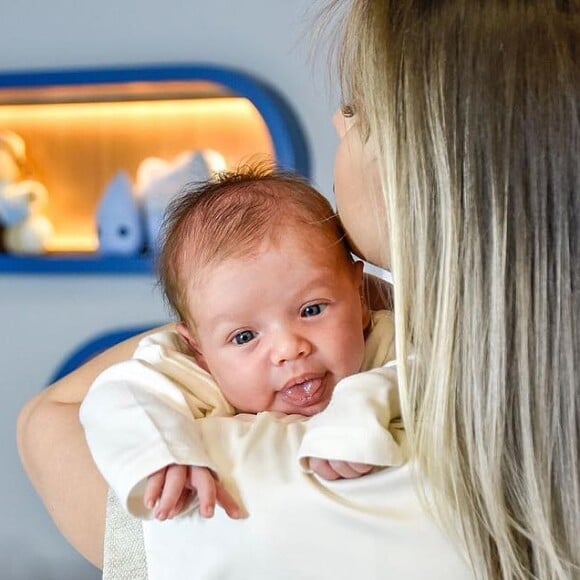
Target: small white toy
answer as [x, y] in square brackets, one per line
[158, 181]
[120, 219]
[23, 228]
[129, 217]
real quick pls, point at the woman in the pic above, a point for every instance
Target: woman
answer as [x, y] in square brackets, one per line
[458, 169]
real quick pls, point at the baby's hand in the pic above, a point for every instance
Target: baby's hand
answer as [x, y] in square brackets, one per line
[169, 489]
[331, 469]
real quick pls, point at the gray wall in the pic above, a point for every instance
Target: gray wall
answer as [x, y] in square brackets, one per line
[45, 317]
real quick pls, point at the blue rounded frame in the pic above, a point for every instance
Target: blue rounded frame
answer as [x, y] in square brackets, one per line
[94, 346]
[288, 138]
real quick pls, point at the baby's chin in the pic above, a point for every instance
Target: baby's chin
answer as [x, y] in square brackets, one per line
[314, 410]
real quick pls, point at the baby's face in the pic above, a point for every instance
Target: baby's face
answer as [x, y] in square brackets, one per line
[279, 329]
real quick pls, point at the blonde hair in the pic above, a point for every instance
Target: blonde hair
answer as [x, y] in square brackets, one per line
[229, 216]
[474, 107]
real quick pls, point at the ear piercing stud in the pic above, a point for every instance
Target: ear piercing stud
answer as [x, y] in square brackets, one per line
[347, 111]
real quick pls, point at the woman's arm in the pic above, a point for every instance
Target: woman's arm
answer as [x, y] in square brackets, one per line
[55, 456]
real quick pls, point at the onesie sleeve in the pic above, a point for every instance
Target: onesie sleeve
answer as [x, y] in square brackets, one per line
[138, 418]
[361, 423]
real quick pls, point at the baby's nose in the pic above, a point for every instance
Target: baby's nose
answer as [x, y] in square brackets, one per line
[290, 346]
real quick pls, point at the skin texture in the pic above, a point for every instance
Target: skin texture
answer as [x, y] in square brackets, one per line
[277, 330]
[285, 346]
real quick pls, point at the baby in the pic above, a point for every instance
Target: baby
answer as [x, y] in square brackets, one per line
[272, 316]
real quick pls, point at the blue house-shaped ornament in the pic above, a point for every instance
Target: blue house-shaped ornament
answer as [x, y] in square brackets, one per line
[120, 219]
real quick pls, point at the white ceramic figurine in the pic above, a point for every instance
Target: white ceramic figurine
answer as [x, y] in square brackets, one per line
[23, 228]
[159, 181]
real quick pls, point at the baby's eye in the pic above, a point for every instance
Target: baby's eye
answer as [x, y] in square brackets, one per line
[312, 310]
[244, 337]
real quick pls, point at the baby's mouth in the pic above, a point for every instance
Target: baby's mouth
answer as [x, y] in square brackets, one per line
[304, 393]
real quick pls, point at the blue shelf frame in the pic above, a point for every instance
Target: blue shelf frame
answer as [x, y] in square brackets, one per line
[76, 264]
[94, 346]
[288, 138]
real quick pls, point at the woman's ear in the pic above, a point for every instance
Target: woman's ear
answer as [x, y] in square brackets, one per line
[189, 338]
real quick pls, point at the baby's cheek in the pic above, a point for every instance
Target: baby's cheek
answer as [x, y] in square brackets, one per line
[356, 358]
[360, 350]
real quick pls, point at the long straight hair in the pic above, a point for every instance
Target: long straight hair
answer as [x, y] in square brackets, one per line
[474, 106]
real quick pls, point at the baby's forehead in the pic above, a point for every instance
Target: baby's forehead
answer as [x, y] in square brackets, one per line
[312, 260]
[306, 230]
[306, 240]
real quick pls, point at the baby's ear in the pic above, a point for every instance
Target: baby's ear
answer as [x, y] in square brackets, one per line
[358, 267]
[366, 311]
[190, 339]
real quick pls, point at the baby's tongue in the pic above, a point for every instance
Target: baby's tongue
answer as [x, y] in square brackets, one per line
[302, 393]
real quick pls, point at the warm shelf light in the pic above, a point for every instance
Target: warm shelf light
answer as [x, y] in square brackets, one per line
[63, 243]
[87, 112]
[75, 148]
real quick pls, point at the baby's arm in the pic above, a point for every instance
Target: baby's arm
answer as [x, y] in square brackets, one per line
[170, 489]
[136, 423]
[355, 432]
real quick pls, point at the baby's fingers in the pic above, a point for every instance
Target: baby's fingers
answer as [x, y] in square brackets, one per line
[210, 491]
[348, 470]
[330, 469]
[203, 482]
[361, 468]
[181, 502]
[323, 468]
[153, 488]
[228, 503]
[175, 479]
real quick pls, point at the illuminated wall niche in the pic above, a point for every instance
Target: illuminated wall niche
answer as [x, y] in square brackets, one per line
[81, 127]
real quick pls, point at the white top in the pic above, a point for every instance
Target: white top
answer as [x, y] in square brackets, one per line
[138, 417]
[299, 526]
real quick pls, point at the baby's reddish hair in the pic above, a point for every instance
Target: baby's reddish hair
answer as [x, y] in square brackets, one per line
[230, 216]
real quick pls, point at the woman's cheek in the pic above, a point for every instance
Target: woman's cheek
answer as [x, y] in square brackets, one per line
[356, 189]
